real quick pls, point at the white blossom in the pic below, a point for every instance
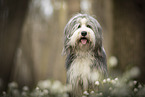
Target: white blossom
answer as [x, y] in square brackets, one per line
[100, 93]
[134, 82]
[140, 86]
[113, 61]
[97, 83]
[25, 88]
[110, 88]
[92, 92]
[104, 81]
[4, 93]
[45, 91]
[37, 88]
[135, 90]
[108, 79]
[113, 81]
[57, 87]
[86, 93]
[46, 84]
[134, 72]
[116, 79]
[13, 85]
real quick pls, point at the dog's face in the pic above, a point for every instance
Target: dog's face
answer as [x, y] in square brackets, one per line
[82, 32]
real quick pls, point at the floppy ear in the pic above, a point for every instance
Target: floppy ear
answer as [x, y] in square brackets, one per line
[65, 40]
[63, 52]
[67, 30]
[101, 52]
[104, 62]
[101, 56]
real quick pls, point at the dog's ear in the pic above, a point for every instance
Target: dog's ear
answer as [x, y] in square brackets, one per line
[63, 52]
[101, 63]
[104, 61]
[101, 52]
[66, 29]
[66, 50]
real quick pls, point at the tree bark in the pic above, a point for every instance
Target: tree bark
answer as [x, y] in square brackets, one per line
[102, 10]
[12, 16]
[129, 32]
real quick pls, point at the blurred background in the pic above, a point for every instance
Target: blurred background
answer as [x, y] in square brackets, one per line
[31, 37]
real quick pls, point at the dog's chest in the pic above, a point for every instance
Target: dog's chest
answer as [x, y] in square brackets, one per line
[81, 70]
[81, 67]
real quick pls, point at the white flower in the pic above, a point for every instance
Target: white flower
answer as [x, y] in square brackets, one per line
[116, 79]
[135, 90]
[134, 72]
[130, 84]
[100, 93]
[92, 92]
[110, 88]
[37, 88]
[97, 83]
[113, 81]
[86, 93]
[113, 61]
[46, 84]
[25, 88]
[134, 82]
[13, 85]
[104, 81]
[24, 93]
[140, 86]
[57, 87]
[4, 93]
[108, 79]
[45, 92]
[15, 92]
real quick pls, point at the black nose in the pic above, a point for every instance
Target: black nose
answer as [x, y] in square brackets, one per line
[83, 33]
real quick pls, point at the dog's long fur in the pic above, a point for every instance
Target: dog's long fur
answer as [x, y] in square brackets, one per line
[86, 61]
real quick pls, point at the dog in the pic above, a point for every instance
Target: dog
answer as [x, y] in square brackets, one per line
[86, 57]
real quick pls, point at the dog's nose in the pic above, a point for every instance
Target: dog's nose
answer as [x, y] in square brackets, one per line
[83, 33]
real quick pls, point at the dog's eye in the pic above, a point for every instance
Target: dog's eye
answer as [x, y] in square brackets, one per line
[89, 26]
[79, 26]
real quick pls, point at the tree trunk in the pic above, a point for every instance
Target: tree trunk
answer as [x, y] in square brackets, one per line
[102, 10]
[129, 32]
[12, 16]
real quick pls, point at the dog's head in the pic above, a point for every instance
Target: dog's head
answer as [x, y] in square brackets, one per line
[82, 32]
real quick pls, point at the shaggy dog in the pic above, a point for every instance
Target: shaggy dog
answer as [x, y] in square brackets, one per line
[86, 58]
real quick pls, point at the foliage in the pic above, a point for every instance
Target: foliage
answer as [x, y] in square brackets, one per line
[117, 88]
[46, 88]
[106, 88]
[123, 86]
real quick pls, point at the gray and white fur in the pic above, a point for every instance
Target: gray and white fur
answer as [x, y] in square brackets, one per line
[86, 58]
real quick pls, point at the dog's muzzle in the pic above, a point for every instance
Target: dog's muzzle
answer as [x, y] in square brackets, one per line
[83, 38]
